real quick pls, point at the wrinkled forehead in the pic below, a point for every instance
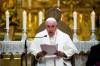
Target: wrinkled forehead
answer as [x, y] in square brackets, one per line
[51, 21]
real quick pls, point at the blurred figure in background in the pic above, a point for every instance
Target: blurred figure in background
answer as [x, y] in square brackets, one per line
[94, 56]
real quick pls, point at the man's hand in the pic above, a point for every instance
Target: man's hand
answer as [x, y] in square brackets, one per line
[41, 54]
[60, 54]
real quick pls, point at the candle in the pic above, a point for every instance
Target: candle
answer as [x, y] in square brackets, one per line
[7, 20]
[75, 19]
[93, 20]
[58, 3]
[24, 20]
[40, 15]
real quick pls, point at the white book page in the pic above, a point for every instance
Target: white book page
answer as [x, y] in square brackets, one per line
[50, 49]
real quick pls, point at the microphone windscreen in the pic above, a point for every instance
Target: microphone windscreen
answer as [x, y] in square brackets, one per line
[45, 35]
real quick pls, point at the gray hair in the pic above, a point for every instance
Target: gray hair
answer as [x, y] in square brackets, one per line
[51, 19]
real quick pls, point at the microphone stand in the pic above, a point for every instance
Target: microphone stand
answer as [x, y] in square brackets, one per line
[25, 51]
[25, 47]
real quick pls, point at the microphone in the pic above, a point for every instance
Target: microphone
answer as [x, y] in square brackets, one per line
[45, 35]
[37, 37]
[33, 37]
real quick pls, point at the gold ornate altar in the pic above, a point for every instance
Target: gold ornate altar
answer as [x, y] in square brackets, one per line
[47, 7]
[83, 8]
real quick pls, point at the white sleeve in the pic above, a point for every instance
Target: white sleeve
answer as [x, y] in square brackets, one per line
[69, 47]
[35, 46]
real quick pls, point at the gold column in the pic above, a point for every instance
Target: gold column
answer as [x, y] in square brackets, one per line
[83, 27]
[35, 23]
[29, 25]
[32, 24]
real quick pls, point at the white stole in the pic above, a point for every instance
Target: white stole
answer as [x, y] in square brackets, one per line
[51, 61]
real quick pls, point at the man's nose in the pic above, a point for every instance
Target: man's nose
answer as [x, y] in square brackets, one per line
[50, 29]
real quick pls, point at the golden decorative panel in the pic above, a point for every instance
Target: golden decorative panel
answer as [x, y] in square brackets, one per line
[66, 7]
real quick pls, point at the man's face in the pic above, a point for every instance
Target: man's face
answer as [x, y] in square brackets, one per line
[51, 28]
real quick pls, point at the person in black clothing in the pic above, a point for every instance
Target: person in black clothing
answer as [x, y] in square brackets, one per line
[94, 56]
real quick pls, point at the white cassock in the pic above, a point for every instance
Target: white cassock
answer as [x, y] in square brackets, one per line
[64, 43]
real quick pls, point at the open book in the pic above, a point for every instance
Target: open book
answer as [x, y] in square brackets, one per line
[50, 49]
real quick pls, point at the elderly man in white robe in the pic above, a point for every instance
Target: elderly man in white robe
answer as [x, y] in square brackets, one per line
[65, 49]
